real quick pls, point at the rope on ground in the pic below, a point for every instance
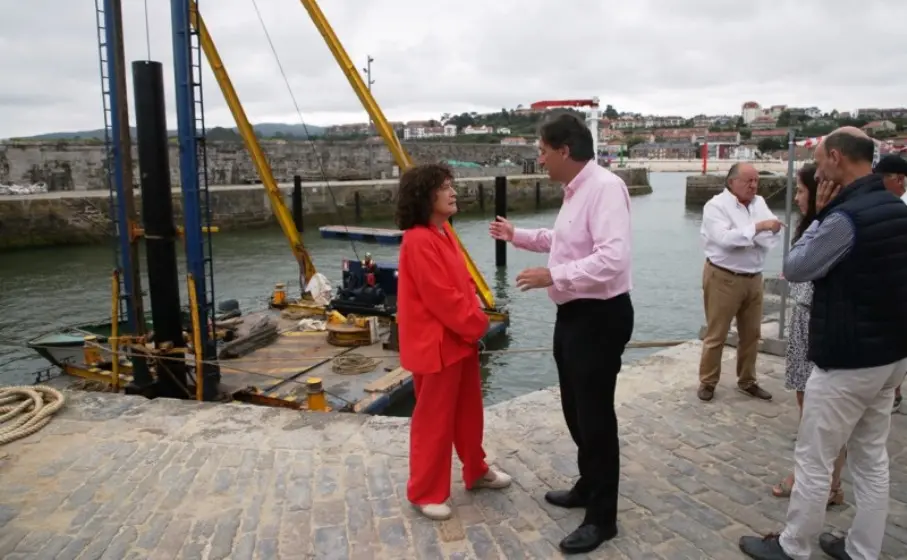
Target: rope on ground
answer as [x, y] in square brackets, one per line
[353, 364]
[26, 409]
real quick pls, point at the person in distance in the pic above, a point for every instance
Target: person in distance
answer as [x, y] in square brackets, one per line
[893, 168]
[738, 231]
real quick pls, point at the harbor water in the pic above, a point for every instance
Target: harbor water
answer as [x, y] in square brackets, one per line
[44, 289]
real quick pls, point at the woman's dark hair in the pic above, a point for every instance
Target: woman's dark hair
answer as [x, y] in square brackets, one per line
[416, 195]
[807, 176]
[568, 130]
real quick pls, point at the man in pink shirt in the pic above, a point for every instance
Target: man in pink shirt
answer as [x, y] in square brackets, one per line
[588, 277]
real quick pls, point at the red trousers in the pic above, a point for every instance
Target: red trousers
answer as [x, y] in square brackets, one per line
[448, 414]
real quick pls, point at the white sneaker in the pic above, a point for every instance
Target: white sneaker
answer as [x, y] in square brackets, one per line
[435, 512]
[494, 480]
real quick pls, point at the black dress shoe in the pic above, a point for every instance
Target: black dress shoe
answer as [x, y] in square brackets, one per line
[833, 546]
[763, 548]
[587, 538]
[565, 499]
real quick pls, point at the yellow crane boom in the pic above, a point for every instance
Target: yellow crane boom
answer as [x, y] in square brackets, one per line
[284, 218]
[278, 206]
[383, 126]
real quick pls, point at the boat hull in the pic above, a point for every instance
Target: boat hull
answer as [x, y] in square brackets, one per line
[65, 347]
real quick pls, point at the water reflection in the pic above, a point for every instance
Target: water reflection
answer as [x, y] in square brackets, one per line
[43, 289]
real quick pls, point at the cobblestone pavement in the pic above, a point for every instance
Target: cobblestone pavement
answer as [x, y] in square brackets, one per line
[124, 478]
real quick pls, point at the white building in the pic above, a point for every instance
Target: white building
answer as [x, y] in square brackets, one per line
[478, 130]
[744, 153]
[417, 132]
[750, 111]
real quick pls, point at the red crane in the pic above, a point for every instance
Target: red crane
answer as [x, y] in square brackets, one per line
[540, 105]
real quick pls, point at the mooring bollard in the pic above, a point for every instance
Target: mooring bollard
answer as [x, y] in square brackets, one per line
[297, 202]
[315, 398]
[500, 209]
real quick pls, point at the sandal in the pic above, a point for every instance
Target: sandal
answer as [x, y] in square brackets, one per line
[783, 488]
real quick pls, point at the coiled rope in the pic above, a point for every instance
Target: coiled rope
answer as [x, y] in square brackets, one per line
[353, 364]
[26, 409]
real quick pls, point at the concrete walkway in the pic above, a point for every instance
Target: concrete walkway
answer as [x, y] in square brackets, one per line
[117, 477]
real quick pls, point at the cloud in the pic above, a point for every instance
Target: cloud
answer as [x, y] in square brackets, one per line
[651, 56]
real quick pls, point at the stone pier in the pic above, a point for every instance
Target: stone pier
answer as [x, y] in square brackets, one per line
[124, 478]
[79, 165]
[701, 188]
[83, 217]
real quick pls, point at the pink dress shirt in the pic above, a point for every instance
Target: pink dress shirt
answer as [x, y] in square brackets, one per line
[589, 247]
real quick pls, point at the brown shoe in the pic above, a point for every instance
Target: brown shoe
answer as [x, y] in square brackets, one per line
[756, 391]
[705, 393]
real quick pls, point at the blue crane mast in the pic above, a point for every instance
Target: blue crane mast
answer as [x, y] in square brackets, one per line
[193, 176]
[193, 163]
[118, 174]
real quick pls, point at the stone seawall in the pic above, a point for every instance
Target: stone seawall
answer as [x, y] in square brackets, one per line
[76, 166]
[700, 188]
[83, 217]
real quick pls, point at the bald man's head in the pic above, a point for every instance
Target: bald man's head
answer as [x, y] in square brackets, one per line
[743, 182]
[850, 130]
[845, 154]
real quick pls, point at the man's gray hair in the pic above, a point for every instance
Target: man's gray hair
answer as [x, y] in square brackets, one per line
[732, 174]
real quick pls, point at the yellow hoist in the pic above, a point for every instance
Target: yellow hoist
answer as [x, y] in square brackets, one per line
[282, 213]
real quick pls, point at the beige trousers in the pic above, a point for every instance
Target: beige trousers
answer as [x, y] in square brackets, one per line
[726, 296]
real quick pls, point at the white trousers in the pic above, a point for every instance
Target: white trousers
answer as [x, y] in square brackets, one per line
[851, 407]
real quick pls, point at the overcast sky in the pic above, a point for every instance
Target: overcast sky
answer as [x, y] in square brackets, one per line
[431, 57]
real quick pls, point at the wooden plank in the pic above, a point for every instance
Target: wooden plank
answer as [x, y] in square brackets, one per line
[391, 381]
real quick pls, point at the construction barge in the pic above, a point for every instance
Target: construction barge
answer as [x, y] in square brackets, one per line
[320, 350]
[290, 356]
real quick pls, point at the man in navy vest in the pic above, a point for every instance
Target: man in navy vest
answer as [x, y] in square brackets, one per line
[856, 256]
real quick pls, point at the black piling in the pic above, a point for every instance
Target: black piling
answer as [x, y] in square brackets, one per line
[538, 195]
[481, 196]
[358, 206]
[297, 203]
[500, 209]
[160, 231]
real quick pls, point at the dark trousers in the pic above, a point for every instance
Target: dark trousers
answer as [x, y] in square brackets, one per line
[589, 340]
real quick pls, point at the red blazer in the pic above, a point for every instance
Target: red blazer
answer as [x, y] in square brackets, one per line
[438, 315]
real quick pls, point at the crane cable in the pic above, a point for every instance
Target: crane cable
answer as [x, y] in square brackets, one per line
[324, 175]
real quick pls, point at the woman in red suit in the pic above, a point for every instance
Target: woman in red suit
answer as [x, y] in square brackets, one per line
[440, 324]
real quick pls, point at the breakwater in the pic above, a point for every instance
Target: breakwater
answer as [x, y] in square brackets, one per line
[77, 166]
[695, 165]
[701, 188]
[83, 217]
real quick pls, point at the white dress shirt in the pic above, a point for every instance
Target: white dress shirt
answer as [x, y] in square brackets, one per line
[729, 233]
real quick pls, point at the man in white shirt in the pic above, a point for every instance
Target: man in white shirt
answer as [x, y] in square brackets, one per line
[738, 230]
